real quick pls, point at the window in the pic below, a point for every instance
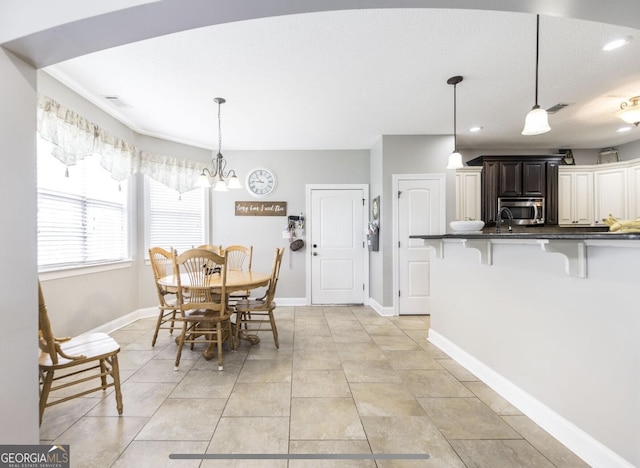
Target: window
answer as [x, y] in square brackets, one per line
[82, 218]
[173, 220]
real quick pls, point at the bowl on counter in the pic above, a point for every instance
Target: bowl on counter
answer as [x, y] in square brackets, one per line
[467, 226]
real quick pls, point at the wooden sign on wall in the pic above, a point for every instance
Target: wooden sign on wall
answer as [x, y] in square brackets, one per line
[265, 208]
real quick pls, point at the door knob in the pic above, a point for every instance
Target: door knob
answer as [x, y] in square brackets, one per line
[315, 254]
[315, 246]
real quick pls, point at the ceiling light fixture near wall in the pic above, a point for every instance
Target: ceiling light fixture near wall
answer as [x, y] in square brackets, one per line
[219, 164]
[617, 43]
[537, 120]
[455, 159]
[630, 113]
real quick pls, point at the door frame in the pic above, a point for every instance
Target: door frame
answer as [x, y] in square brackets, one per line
[395, 183]
[307, 234]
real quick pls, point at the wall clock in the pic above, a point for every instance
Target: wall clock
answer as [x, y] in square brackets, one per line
[261, 182]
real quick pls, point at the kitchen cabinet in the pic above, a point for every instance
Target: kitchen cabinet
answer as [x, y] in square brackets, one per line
[469, 193]
[522, 178]
[610, 193]
[633, 178]
[575, 196]
[519, 176]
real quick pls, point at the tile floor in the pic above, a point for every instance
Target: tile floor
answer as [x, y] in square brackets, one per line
[344, 381]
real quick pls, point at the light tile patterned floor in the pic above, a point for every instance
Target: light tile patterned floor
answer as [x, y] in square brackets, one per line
[344, 381]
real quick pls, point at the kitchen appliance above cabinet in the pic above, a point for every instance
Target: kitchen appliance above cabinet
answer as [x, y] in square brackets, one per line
[519, 176]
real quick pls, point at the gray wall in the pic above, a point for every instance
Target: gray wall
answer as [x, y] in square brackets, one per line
[294, 170]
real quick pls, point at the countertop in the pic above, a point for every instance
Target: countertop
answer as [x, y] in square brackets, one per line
[533, 233]
[590, 235]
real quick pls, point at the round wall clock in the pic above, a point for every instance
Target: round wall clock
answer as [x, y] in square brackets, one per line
[261, 182]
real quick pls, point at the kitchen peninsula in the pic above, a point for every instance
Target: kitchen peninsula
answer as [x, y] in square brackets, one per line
[556, 335]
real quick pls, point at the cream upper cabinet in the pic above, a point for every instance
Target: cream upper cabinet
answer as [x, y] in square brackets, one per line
[633, 177]
[610, 193]
[468, 193]
[575, 196]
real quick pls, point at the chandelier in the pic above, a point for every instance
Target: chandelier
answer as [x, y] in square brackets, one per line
[630, 113]
[219, 165]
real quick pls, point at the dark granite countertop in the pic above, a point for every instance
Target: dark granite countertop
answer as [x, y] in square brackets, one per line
[552, 234]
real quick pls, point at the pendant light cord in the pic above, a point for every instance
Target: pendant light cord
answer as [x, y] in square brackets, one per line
[455, 132]
[219, 129]
[537, 54]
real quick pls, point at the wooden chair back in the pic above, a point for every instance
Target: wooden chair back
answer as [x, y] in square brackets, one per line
[214, 248]
[238, 255]
[192, 269]
[275, 273]
[161, 264]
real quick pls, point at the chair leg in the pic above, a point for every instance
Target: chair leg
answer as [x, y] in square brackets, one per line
[180, 344]
[219, 337]
[158, 323]
[103, 373]
[274, 329]
[115, 374]
[44, 394]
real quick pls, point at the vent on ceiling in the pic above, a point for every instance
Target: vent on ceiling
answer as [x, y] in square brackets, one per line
[558, 107]
[116, 101]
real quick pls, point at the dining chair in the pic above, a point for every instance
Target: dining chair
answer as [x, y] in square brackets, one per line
[214, 248]
[252, 315]
[240, 258]
[65, 362]
[204, 311]
[167, 301]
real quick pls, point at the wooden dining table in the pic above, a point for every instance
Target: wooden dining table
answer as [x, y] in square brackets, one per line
[237, 280]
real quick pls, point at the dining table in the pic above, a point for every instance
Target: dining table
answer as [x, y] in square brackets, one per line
[237, 280]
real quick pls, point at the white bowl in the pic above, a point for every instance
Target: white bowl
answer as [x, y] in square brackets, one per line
[467, 226]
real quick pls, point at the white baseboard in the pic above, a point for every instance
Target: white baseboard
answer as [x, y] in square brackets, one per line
[582, 444]
[383, 311]
[291, 301]
[120, 322]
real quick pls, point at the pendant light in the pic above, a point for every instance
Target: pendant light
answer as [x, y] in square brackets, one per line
[630, 113]
[219, 165]
[455, 159]
[537, 121]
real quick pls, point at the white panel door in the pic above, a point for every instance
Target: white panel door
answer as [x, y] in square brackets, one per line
[337, 246]
[419, 212]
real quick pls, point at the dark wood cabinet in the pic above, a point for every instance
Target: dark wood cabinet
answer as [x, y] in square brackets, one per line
[518, 176]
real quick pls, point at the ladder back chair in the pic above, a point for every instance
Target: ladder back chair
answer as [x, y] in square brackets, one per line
[214, 248]
[253, 315]
[65, 362]
[204, 311]
[239, 258]
[162, 266]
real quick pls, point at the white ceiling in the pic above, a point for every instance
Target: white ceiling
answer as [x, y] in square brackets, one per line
[341, 79]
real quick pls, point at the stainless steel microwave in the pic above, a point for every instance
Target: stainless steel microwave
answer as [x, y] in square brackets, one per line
[525, 211]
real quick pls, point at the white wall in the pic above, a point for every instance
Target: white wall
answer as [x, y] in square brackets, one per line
[19, 293]
[570, 343]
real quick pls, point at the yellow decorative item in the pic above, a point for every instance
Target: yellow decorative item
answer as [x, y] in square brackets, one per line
[627, 225]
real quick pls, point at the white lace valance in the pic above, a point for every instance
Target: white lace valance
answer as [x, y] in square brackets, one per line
[178, 174]
[74, 138]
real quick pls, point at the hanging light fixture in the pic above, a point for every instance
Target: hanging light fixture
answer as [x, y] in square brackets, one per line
[455, 159]
[630, 113]
[219, 164]
[537, 121]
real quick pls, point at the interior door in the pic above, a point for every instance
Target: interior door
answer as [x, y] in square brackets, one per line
[420, 211]
[337, 246]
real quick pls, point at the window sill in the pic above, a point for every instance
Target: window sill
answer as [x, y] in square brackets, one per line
[83, 270]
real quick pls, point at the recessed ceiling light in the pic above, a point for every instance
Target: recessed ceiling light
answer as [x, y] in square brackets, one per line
[475, 129]
[623, 129]
[617, 43]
